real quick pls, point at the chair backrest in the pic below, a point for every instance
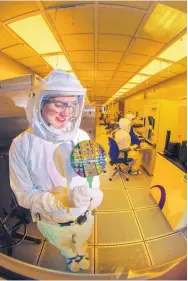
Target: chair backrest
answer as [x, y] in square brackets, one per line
[5, 190]
[113, 149]
[8, 201]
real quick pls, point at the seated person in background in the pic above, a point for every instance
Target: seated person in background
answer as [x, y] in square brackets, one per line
[123, 140]
[134, 137]
[108, 119]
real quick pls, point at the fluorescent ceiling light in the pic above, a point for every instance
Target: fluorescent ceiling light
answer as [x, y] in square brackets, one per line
[36, 33]
[138, 79]
[58, 62]
[128, 86]
[119, 94]
[154, 67]
[176, 51]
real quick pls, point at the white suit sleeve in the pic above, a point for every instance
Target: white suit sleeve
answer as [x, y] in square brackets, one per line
[26, 193]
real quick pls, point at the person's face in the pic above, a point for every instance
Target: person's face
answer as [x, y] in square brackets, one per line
[55, 114]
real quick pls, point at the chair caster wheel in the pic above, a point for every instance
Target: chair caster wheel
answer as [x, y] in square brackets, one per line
[127, 179]
[110, 179]
[104, 172]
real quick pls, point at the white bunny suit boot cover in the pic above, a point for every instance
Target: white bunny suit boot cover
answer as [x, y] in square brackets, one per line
[39, 161]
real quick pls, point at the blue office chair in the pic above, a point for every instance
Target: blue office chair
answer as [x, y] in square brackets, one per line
[115, 160]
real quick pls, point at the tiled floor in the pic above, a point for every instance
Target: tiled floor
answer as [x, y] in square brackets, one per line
[130, 231]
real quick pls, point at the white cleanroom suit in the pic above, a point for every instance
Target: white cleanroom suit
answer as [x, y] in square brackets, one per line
[41, 175]
[123, 139]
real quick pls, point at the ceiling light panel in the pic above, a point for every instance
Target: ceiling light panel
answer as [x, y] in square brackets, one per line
[138, 79]
[154, 67]
[176, 51]
[31, 30]
[164, 24]
[58, 62]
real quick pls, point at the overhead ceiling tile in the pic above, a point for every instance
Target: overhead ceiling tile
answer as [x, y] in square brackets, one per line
[125, 22]
[18, 52]
[9, 9]
[104, 79]
[7, 39]
[119, 79]
[129, 67]
[113, 42]
[115, 83]
[86, 73]
[104, 73]
[124, 74]
[178, 68]
[79, 42]
[73, 20]
[83, 66]
[135, 59]
[146, 47]
[107, 66]
[81, 56]
[154, 80]
[32, 61]
[50, 4]
[166, 73]
[42, 69]
[163, 24]
[183, 61]
[136, 4]
[178, 5]
[103, 56]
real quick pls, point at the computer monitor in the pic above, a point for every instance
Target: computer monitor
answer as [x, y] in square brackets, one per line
[150, 120]
[149, 134]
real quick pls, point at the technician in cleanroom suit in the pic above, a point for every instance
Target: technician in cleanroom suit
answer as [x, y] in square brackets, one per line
[123, 139]
[41, 175]
[134, 137]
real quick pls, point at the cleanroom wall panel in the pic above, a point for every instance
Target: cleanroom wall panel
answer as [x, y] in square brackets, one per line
[172, 89]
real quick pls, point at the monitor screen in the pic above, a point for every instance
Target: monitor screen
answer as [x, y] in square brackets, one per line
[150, 120]
[149, 134]
[153, 124]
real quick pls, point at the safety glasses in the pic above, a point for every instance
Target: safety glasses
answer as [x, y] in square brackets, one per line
[61, 106]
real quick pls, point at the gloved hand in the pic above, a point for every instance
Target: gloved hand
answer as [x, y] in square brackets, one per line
[81, 196]
[97, 196]
[63, 195]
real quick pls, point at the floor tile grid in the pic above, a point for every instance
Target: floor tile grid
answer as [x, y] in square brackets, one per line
[150, 239]
[138, 224]
[43, 246]
[142, 208]
[94, 247]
